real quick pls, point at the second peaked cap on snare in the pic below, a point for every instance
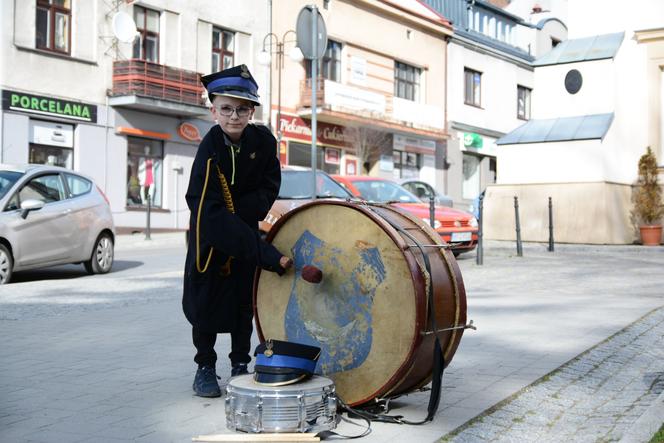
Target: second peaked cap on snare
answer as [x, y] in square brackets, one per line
[234, 82]
[283, 363]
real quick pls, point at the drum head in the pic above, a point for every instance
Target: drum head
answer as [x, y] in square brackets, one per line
[363, 314]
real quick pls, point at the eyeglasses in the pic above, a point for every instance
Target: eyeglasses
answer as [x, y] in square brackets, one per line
[241, 111]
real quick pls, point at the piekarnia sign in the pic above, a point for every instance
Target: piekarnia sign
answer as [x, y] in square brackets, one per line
[36, 104]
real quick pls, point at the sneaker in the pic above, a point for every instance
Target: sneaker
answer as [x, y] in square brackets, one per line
[239, 369]
[205, 382]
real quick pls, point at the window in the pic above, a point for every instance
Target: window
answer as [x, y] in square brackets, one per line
[46, 188]
[406, 164]
[330, 64]
[146, 47]
[407, 81]
[144, 169]
[51, 155]
[471, 176]
[223, 45]
[523, 102]
[473, 86]
[554, 42]
[53, 28]
[77, 185]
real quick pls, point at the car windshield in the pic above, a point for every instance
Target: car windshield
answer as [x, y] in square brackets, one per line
[7, 180]
[383, 191]
[297, 185]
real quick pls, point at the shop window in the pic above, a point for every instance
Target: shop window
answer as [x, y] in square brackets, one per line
[223, 44]
[471, 176]
[146, 46]
[53, 25]
[407, 81]
[523, 102]
[51, 155]
[145, 160]
[473, 87]
[299, 154]
[406, 164]
[329, 66]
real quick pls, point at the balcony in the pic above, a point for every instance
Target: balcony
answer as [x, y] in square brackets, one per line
[159, 89]
[337, 101]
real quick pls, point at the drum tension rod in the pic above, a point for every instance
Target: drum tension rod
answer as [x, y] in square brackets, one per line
[470, 325]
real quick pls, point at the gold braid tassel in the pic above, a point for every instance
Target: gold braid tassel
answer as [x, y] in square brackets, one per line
[228, 199]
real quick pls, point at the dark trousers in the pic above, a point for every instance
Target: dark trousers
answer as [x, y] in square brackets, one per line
[241, 333]
[204, 343]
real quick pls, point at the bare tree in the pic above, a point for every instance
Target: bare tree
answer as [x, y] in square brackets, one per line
[368, 144]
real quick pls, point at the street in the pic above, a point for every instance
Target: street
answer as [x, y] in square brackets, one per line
[108, 358]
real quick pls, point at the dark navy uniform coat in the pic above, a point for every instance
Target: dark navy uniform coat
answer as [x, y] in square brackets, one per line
[213, 301]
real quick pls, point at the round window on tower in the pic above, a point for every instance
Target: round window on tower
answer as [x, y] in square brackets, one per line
[573, 81]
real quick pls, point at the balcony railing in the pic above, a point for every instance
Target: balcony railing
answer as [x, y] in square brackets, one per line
[138, 77]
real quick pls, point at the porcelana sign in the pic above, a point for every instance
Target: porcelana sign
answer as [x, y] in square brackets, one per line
[328, 134]
[48, 106]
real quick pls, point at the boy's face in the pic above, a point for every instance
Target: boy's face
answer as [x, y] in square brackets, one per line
[232, 114]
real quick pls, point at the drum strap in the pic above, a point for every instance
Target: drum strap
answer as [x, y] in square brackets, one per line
[438, 356]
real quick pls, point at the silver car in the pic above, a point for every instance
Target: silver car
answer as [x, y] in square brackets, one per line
[52, 216]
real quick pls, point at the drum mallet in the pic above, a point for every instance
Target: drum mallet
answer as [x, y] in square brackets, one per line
[312, 274]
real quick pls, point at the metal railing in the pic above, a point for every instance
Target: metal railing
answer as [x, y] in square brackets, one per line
[139, 77]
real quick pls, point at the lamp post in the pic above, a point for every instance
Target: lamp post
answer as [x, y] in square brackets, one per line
[273, 45]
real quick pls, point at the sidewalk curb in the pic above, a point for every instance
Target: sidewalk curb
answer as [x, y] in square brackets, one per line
[647, 425]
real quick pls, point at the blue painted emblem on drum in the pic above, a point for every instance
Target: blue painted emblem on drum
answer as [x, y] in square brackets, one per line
[336, 314]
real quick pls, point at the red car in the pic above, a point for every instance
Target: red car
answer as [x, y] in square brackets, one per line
[458, 228]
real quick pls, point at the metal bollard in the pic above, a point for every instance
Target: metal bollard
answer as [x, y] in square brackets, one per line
[550, 225]
[480, 248]
[432, 212]
[147, 225]
[519, 249]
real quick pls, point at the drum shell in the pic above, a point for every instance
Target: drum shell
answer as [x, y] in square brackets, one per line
[449, 301]
[308, 406]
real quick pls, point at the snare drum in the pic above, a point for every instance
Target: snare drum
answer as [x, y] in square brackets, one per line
[309, 406]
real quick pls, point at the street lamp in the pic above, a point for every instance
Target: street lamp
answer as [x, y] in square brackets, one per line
[271, 41]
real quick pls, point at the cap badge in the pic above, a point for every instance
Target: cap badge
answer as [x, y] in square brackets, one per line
[252, 155]
[245, 72]
[268, 349]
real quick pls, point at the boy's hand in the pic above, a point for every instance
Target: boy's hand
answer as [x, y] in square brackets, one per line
[285, 262]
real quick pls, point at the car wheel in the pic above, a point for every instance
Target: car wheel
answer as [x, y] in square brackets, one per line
[101, 259]
[6, 265]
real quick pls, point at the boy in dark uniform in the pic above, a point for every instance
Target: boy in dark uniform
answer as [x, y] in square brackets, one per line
[234, 180]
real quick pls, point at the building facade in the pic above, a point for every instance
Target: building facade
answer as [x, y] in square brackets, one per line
[112, 89]
[490, 85]
[380, 104]
[598, 106]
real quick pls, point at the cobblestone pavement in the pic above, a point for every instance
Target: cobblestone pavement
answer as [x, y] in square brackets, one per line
[597, 397]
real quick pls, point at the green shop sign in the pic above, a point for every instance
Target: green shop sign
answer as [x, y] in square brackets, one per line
[472, 140]
[36, 104]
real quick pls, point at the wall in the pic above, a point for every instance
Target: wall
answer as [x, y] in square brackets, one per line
[498, 111]
[593, 213]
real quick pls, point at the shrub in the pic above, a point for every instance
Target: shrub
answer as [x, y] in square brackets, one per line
[648, 195]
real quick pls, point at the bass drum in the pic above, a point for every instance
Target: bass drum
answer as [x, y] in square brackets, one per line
[369, 314]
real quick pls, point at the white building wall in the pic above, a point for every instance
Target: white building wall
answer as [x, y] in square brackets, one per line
[499, 89]
[596, 96]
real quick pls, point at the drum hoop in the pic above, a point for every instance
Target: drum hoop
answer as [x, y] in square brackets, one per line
[421, 318]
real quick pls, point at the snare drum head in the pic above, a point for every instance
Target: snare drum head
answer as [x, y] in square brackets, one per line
[362, 314]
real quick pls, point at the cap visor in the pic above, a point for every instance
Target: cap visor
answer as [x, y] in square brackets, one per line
[278, 379]
[239, 95]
